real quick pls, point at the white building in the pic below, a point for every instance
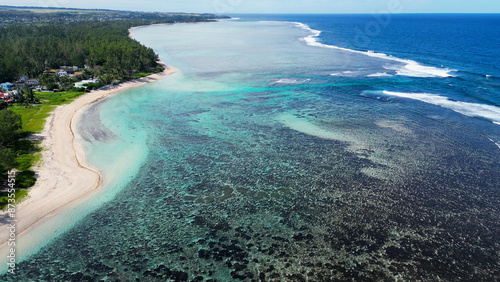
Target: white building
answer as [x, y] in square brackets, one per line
[61, 73]
[32, 82]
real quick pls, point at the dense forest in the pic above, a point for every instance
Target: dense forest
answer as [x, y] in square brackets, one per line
[27, 50]
[30, 49]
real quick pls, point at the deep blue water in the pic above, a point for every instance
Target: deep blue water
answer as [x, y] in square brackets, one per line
[461, 40]
[467, 43]
[295, 148]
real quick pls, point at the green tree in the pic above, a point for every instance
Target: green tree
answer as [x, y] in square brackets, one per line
[7, 157]
[10, 132]
[10, 128]
[27, 94]
[52, 86]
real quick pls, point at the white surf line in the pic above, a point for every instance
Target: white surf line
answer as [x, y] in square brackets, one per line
[410, 65]
[498, 144]
[489, 112]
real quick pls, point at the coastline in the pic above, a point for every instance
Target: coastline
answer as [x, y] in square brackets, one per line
[131, 34]
[64, 176]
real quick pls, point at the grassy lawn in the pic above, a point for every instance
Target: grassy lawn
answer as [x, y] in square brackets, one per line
[34, 115]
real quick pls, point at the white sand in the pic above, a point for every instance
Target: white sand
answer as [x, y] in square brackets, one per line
[64, 177]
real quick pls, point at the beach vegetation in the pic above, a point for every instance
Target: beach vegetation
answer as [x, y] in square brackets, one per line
[15, 152]
[24, 161]
[20, 194]
[7, 157]
[10, 128]
[25, 179]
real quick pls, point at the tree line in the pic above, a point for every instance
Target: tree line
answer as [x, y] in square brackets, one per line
[26, 50]
[32, 49]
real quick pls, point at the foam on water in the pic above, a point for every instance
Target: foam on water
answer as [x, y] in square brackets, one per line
[379, 74]
[469, 109]
[344, 73]
[494, 142]
[291, 81]
[410, 68]
[416, 70]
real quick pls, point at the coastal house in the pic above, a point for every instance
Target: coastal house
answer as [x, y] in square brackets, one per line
[5, 97]
[51, 71]
[7, 85]
[33, 82]
[61, 73]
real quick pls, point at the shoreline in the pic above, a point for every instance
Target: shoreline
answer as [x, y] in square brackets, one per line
[64, 176]
[131, 34]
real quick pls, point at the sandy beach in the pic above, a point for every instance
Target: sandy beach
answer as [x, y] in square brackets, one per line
[64, 177]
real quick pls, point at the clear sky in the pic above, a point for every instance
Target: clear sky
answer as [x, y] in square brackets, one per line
[275, 6]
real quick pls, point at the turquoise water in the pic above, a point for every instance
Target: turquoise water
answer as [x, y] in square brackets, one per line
[269, 157]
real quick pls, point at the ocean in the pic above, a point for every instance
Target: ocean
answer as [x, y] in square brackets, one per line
[296, 148]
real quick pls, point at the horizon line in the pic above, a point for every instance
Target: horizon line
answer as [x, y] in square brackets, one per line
[250, 13]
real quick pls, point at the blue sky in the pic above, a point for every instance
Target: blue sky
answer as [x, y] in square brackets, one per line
[276, 6]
